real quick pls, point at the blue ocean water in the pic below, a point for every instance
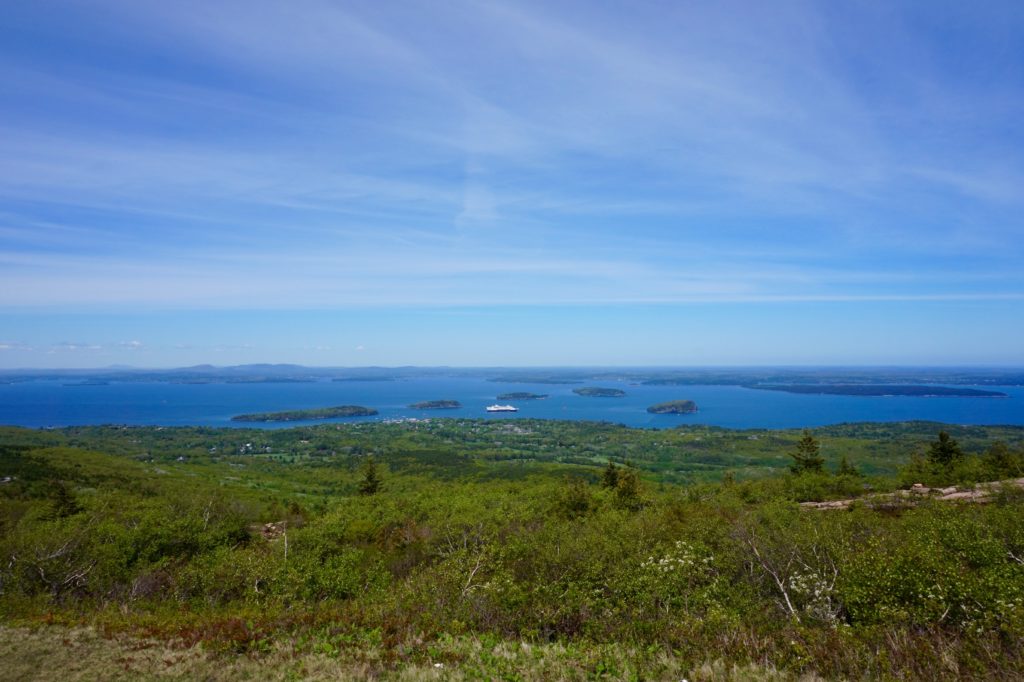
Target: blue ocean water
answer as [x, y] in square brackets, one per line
[52, 403]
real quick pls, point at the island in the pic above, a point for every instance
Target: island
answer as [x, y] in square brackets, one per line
[516, 379]
[594, 392]
[674, 407]
[881, 390]
[305, 415]
[268, 380]
[436, 405]
[522, 395]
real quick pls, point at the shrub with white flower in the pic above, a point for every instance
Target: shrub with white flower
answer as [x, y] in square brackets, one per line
[675, 575]
[680, 558]
[816, 596]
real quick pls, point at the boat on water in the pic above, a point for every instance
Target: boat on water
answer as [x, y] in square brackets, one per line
[502, 408]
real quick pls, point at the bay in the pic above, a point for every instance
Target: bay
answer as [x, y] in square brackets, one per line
[55, 404]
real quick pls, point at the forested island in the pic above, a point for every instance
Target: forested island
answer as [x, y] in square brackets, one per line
[596, 392]
[436, 405]
[522, 395]
[674, 407]
[880, 390]
[305, 415]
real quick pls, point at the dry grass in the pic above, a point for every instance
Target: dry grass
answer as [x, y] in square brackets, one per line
[66, 654]
[53, 653]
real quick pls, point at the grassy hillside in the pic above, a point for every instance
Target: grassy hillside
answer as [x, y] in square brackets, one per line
[507, 549]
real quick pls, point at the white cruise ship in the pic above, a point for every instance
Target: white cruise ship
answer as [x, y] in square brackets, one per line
[502, 408]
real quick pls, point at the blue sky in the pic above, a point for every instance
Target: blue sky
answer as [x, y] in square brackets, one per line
[511, 183]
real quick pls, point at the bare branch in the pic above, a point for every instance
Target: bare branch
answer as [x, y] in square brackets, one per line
[469, 580]
[779, 582]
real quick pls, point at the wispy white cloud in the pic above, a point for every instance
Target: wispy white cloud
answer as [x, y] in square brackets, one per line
[74, 347]
[247, 154]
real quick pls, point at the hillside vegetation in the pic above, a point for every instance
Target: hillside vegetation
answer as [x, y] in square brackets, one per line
[516, 550]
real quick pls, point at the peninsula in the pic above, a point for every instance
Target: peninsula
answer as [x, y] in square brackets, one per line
[917, 391]
[305, 415]
[436, 405]
[594, 392]
[674, 407]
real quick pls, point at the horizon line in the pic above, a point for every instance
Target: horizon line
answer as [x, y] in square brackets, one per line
[131, 368]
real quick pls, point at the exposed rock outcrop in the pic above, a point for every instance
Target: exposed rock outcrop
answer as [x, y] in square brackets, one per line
[983, 492]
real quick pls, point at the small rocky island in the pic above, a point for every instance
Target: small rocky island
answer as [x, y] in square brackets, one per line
[595, 392]
[674, 407]
[306, 415]
[436, 405]
[522, 395]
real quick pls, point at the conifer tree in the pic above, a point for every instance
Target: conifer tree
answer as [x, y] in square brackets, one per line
[610, 477]
[64, 502]
[627, 490]
[807, 457]
[846, 469]
[371, 480]
[944, 451]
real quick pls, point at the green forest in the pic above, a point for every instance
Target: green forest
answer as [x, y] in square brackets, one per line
[520, 549]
